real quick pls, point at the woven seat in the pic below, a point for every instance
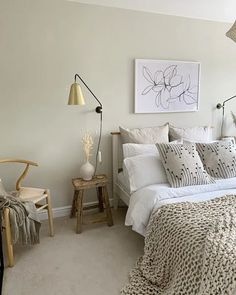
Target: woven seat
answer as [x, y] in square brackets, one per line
[32, 194]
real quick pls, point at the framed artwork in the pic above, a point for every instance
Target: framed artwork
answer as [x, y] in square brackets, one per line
[163, 86]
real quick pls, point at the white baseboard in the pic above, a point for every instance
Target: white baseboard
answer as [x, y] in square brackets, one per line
[65, 211]
[57, 212]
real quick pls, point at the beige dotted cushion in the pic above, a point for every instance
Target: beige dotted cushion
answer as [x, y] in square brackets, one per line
[219, 158]
[183, 165]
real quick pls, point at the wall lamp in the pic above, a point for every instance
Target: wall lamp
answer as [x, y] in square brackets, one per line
[232, 32]
[232, 35]
[222, 106]
[76, 95]
[76, 98]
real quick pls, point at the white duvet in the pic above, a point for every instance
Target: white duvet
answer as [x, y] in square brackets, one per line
[143, 201]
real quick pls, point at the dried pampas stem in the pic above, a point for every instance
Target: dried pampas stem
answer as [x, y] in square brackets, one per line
[87, 141]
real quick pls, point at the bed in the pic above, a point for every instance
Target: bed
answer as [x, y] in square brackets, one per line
[142, 202]
[189, 230]
[140, 207]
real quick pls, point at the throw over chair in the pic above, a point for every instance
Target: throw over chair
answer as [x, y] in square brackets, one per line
[40, 197]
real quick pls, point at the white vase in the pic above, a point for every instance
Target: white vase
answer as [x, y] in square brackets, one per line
[87, 171]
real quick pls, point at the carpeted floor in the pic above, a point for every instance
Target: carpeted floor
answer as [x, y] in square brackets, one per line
[96, 262]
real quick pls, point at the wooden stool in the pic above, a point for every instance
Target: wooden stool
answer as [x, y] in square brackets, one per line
[100, 183]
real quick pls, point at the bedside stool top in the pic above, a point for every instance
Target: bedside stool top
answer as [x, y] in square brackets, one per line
[96, 181]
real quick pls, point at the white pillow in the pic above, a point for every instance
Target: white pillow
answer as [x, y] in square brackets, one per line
[144, 170]
[135, 149]
[146, 135]
[191, 134]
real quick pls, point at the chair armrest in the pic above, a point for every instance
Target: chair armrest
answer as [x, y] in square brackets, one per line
[26, 162]
[9, 160]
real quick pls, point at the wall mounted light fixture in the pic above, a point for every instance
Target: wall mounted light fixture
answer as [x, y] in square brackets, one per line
[76, 98]
[232, 32]
[222, 106]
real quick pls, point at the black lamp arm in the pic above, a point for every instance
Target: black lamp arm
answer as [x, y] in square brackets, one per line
[99, 108]
[99, 111]
[221, 105]
[228, 99]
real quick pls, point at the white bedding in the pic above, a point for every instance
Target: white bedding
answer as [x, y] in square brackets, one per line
[143, 201]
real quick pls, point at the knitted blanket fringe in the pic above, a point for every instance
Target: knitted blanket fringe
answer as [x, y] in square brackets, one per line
[24, 220]
[190, 248]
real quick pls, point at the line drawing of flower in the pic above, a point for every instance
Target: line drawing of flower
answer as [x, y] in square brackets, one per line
[169, 87]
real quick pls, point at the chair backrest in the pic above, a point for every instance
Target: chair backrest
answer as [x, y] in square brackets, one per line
[23, 175]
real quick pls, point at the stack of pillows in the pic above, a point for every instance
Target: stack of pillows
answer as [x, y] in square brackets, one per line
[180, 156]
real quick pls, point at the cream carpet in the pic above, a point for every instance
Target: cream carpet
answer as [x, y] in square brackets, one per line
[96, 262]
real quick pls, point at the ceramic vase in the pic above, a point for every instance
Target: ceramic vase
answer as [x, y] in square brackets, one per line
[87, 171]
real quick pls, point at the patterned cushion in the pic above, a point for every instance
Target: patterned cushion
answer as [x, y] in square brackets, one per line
[183, 165]
[219, 158]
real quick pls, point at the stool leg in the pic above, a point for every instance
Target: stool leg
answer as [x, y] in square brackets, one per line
[100, 200]
[50, 215]
[79, 207]
[8, 237]
[107, 204]
[73, 207]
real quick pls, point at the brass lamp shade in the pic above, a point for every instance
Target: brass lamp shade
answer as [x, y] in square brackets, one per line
[76, 96]
[232, 32]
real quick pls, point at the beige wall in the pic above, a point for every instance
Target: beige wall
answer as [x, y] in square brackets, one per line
[42, 45]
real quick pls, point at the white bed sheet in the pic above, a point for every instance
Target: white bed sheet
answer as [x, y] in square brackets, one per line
[143, 201]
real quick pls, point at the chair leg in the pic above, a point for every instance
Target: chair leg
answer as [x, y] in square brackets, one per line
[107, 204]
[9, 245]
[100, 199]
[79, 208]
[50, 215]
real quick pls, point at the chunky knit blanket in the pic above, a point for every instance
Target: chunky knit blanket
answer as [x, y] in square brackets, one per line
[190, 248]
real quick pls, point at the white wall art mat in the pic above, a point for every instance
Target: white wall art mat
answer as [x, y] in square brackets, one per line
[163, 86]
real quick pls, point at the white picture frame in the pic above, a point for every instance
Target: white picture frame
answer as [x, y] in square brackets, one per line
[166, 86]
